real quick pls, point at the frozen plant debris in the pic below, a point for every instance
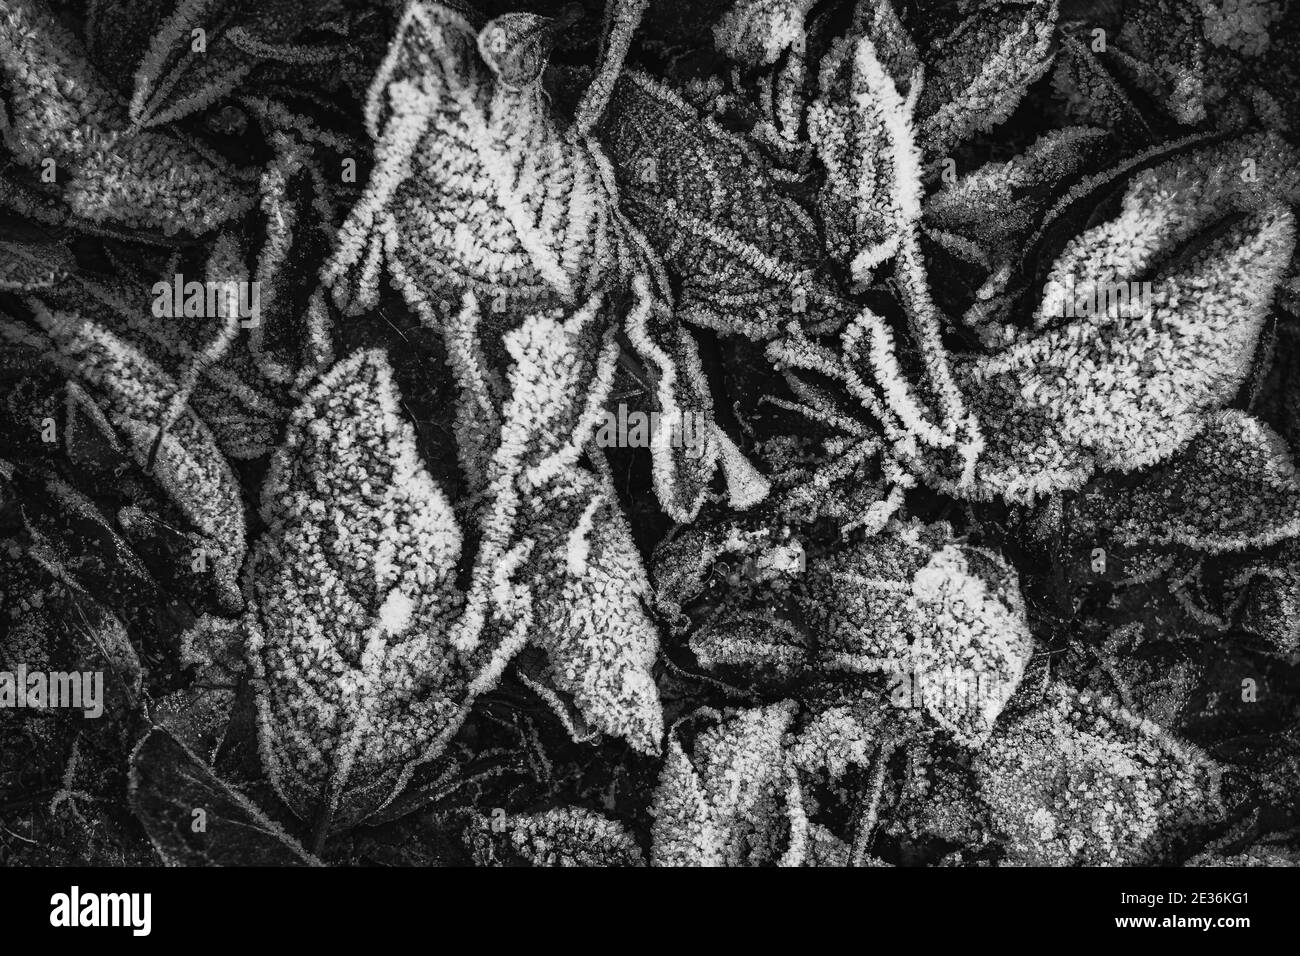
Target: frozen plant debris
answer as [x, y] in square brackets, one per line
[630, 433]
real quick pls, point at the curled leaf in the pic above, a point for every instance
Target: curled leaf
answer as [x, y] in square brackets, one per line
[862, 128]
[475, 187]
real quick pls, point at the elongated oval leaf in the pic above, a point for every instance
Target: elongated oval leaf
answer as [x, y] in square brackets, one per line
[353, 597]
[134, 394]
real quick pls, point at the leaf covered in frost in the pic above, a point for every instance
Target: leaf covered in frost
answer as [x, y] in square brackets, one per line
[734, 800]
[1079, 781]
[747, 254]
[756, 32]
[135, 394]
[562, 836]
[907, 601]
[475, 186]
[176, 77]
[63, 112]
[1122, 368]
[978, 74]
[169, 783]
[1233, 487]
[861, 125]
[353, 598]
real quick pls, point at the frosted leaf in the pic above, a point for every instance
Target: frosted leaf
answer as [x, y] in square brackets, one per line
[55, 620]
[1166, 206]
[1091, 93]
[977, 75]
[586, 580]
[859, 599]
[757, 32]
[948, 616]
[1270, 594]
[998, 206]
[474, 185]
[63, 110]
[585, 584]
[1125, 387]
[1233, 487]
[733, 801]
[1264, 853]
[879, 21]
[907, 601]
[1167, 55]
[683, 565]
[168, 782]
[825, 849]
[33, 265]
[1241, 25]
[173, 80]
[563, 836]
[198, 716]
[974, 637]
[135, 394]
[839, 737]
[747, 254]
[591, 617]
[682, 464]
[346, 707]
[861, 126]
[1079, 781]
